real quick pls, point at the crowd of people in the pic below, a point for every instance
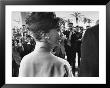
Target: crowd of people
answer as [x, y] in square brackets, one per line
[22, 44]
[69, 45]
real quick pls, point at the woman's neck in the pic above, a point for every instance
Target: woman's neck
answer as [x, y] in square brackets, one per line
[42, 47]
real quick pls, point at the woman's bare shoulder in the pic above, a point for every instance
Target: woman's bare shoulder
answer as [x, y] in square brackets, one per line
[61, 60]
[26, 59]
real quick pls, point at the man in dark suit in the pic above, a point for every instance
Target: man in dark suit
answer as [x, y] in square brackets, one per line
[66, 43]
[75, 40]
[89, 66]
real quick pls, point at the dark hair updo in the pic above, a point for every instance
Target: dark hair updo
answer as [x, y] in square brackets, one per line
[42, 22]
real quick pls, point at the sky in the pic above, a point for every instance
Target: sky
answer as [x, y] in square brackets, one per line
[16, 16]
[94, 15]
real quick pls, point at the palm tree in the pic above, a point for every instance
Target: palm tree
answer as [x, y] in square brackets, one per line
[68, 20]
[77, 16]
[85, 20]
[89, 21]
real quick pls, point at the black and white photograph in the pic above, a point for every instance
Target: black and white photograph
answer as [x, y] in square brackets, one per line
[44, 45]
[55, 43]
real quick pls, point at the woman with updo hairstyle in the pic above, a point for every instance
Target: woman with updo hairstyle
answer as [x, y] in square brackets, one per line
[41, 62]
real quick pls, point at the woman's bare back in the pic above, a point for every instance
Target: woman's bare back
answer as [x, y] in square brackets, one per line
[43, 65]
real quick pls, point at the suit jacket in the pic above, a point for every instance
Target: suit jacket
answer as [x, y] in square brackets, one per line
[90, 53]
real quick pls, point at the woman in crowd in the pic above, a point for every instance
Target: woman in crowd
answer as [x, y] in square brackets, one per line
[41, 62]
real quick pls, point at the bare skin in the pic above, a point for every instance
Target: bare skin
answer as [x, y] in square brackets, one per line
[42, 63]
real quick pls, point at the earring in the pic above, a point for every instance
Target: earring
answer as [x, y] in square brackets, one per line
[46, 37]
